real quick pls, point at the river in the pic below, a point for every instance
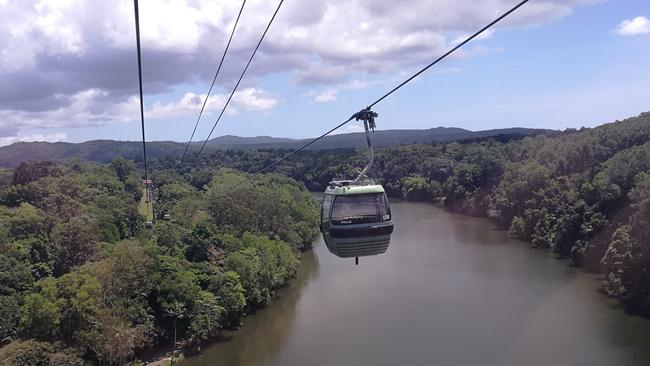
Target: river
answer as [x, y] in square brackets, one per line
[451, 290]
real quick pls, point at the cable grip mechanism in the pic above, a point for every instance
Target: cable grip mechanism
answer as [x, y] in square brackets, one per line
[368, 117]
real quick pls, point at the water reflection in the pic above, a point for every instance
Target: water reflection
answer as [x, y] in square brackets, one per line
[451, 290]
[264, 332]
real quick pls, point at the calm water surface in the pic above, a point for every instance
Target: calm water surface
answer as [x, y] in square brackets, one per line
[451, 290]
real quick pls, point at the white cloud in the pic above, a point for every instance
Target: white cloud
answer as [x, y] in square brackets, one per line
[254, 99]
[249, 99]
[327, 95]
[52, 137]
[71, 63]
[52, 21]
[351, 127]
[634, 27]
[485, 35]
[172, 25]
[322, 36]
[330, 94]
[92, 107]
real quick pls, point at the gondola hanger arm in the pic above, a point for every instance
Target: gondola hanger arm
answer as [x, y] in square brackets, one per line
[368, 117]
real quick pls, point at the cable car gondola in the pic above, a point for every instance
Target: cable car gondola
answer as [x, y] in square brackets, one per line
[355, 214]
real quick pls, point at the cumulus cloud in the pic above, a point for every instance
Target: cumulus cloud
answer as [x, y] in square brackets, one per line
[330, 93]
[72, 62]
[250, 99]
[634, 27]
[327, 95]
[91, 107]
[352, 127]
[52, 137]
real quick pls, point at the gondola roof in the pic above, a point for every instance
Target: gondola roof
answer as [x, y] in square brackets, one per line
[352, 189]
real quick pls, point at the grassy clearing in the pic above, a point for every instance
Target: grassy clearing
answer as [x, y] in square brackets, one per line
[145, 208]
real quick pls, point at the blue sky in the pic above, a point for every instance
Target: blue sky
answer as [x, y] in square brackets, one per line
[557, 67]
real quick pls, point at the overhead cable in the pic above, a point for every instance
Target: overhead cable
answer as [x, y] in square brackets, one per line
[205, 101]
[422, 70]
[461, 44]
[144, 145]
[240, 78]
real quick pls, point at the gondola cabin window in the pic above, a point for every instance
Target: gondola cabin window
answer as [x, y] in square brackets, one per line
[326, 207]
[360, 208]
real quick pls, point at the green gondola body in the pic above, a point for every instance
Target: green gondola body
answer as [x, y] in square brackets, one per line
[356, 219]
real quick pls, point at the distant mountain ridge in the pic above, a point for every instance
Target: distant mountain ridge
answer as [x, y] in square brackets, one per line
[103, 151]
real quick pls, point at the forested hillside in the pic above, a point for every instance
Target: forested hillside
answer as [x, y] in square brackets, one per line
[104, 151]
[83, 279]
[584, 194]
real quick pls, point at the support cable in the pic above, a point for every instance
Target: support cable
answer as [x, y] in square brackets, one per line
[461, 44]
[365, 110]
[205, 101]
[240, 78]
[144, 145]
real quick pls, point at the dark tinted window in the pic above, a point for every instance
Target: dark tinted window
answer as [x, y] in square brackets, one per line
[325, 207]
[361, 205]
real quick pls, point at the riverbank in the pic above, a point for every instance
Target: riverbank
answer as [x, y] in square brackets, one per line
[447, 281]
[495, 232]
[162, 357]
[590, 260]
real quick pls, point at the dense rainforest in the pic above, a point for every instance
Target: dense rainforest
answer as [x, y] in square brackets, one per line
[584, 193]
[84, 279]
[104, 151]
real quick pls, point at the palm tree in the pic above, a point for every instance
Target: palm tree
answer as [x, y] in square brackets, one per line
[177, 311]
